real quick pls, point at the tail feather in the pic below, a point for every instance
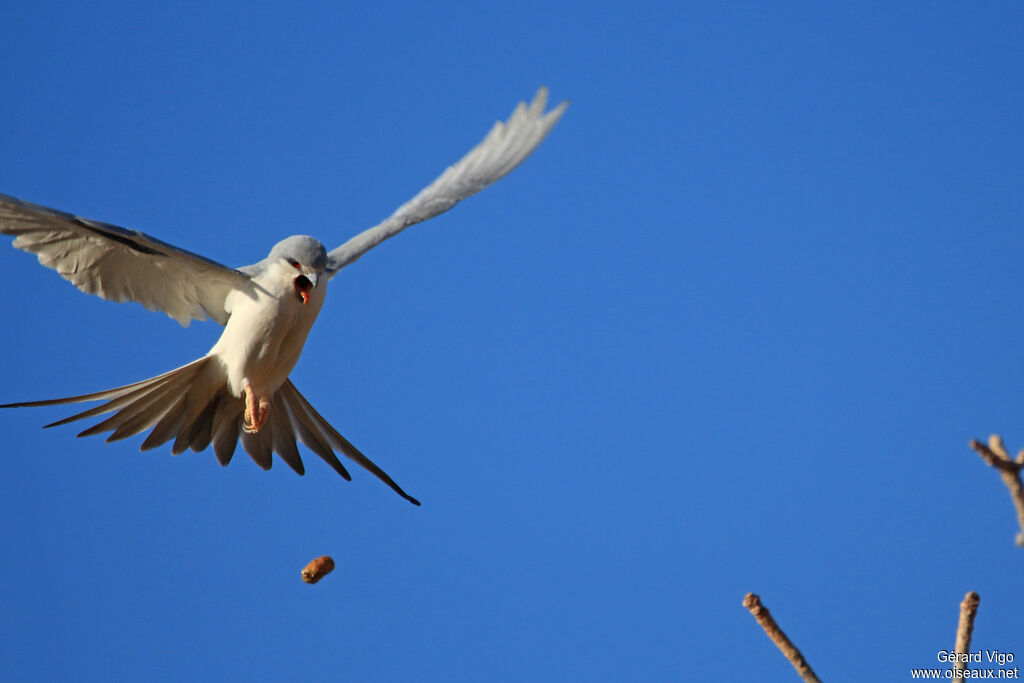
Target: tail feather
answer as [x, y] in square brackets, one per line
[203, 390]
[309, 437]
[140, 410]
[259, 446]
[144, 416]
[341, 443]
[203, 430]
[198, 385]
[193, 405]
[100, 395]
[283, 437]
[167, 427]
[310, 432]
[135, 408]
[109, 406]
[227, 424]
[191, 430]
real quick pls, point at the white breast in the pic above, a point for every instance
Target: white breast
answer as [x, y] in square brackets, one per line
[264, 336]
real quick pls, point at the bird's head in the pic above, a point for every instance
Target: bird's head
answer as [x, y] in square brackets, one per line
[306, 257]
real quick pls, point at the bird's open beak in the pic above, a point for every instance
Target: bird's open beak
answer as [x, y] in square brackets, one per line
[304, 284]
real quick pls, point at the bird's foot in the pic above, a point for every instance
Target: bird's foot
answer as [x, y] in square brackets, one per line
[257, 409]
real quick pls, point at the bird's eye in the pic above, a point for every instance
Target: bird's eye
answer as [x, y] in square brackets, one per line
[293, 263]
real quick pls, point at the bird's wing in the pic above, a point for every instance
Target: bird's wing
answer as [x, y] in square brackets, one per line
[501, 150]
[122, 265]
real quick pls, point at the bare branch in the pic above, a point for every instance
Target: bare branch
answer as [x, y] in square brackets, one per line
[764, 618]
[964, 629]
[996, 455]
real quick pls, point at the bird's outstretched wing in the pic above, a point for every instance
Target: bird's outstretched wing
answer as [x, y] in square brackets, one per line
[502, 150]
[122, 265]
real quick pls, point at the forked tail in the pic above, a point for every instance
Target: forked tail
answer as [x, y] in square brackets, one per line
[194, 406]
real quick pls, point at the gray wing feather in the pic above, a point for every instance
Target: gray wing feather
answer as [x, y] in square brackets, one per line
[504, 148]
[122, 265]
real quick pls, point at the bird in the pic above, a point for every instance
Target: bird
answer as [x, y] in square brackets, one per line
[240, 390]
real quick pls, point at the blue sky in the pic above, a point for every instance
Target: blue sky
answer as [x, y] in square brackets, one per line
[730, 329]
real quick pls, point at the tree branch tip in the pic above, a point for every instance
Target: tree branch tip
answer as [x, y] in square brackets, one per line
[995, 442]
[981, 448]
[764, 619]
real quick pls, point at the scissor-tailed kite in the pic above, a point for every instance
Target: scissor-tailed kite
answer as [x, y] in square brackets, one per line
[240, 389]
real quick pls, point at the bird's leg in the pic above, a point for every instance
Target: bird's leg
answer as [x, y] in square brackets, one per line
[257, 408]
[251, 411]
[264, 410]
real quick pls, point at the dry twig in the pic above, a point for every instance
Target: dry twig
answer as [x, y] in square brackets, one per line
[965, 627]
[1009, 469]
[764, 618]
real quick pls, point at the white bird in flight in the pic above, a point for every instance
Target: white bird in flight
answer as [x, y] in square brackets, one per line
[240, 388]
